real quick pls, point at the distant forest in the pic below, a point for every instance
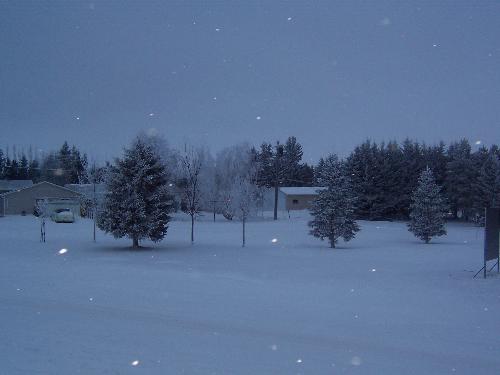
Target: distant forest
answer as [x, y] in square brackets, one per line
[383, 175]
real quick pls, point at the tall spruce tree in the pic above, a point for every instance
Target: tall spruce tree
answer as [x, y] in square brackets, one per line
[460, 174]
[138, 203]
[333, 209]
[428, 210]
[486, 185]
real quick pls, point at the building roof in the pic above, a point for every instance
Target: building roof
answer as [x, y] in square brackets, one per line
[42, 183]
[301, 190]
[14, 184]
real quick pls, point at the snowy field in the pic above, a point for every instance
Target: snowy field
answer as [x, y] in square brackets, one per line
[382, 304]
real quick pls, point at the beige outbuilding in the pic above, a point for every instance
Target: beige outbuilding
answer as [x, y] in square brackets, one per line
[298, 198]
[23, 201]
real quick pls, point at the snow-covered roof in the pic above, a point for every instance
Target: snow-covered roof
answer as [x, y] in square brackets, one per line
[302, 190]
[9, 185]
[41, 183]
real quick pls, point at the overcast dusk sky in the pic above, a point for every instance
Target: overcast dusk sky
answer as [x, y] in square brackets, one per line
[332, 73]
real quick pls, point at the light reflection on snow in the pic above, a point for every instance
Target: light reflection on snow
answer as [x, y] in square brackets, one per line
[355, 361]
[63, 251]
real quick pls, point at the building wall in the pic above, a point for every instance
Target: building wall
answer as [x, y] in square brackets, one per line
[24, 200]
[299, 202]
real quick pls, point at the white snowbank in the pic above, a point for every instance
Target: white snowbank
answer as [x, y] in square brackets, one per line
[382, 304]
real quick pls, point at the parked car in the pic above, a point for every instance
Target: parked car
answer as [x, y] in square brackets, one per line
[63, 215]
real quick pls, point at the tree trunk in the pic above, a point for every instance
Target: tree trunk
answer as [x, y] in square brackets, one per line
[276, 191]
[243, 245]
[192, 229]
[332, 242]
[135, 242]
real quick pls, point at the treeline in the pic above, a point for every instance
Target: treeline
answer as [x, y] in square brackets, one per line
[385, 175]
[64, 166]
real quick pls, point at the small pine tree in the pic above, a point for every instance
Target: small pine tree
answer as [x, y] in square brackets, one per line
[137, 203]
[333, 209]
[428, 210]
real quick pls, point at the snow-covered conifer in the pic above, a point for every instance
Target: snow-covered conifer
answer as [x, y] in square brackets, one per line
[428, 210]
[333, 209]
[137, 203]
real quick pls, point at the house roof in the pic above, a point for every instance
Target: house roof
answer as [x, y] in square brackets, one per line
[301, 190]
[42, 183]
[15, 184]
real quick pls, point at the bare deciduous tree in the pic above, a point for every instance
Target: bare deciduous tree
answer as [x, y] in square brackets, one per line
[191, 164]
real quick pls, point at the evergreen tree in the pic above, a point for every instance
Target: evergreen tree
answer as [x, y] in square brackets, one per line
[23, 168]
[137, 203]
[391, 164]
[305, 175]
[292, 155]
[34, 171]
[412, 166]
[435, 158]
[333, 209]
[2, 165]
[486, 186]
[460, 174]
[272, 169]
[428, 210]
[12, 169]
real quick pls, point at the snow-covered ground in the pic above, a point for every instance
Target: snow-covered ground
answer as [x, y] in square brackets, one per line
[382, 304]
